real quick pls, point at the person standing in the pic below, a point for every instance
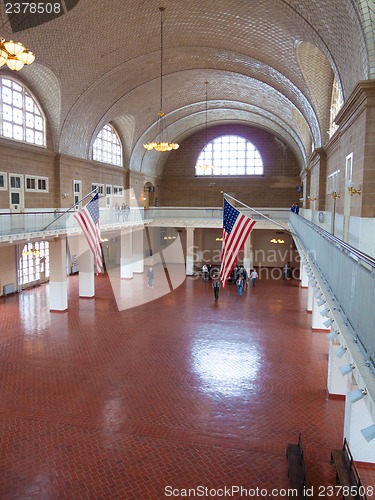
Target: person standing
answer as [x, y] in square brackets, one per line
[150, 277]
[204, 272]
[245, 278]
[123, 210]
[286, 270]
[216, 286]
[240, 286]
[253, 276]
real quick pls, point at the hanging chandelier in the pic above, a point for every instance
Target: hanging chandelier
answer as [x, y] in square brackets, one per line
[201, 165]
[14, 54]
[163, 144]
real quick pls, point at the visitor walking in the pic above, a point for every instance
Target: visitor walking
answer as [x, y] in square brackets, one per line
[150, 277]
[216, 286]
[253, 276]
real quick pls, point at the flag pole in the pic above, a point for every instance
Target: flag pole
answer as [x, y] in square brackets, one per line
[257, 212]
[71, 208]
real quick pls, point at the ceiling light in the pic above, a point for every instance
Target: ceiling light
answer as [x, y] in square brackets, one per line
[203, 167]
[341, 351]
[346, 369]
[323, 312]
[369, 432]
[14, 54]
[333, 334]
[356, 395]
[163, 144]
[328, 323]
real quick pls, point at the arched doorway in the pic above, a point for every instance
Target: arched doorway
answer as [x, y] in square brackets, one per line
[149, 195]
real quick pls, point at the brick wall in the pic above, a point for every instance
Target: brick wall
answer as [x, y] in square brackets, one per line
[178, 185]
[61, 171]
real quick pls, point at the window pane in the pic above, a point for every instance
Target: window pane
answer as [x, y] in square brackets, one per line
[107, 146]
[21, 111]
[231, 155]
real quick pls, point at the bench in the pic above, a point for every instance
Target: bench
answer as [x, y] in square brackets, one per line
[296, 469]
[347, 475]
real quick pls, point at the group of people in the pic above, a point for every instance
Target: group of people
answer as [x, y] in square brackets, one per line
[295, 208]
[238, 277]
[122, 213]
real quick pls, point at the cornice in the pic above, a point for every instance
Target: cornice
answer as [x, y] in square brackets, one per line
[357, 102]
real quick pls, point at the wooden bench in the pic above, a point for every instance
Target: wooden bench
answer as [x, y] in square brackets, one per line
[296, 469]
[347, 475]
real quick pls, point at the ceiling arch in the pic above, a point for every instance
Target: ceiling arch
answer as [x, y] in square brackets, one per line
[247, 48]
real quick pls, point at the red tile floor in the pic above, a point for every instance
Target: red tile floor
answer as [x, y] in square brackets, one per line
[176, 394]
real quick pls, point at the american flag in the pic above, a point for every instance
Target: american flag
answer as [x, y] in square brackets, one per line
[88, 219]
[236, 229]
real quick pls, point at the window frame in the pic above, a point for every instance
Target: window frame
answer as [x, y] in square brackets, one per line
[4, 175]
[99, 187]
[36, 112]
[36, 179]
[239, 158]
[118, 191]
[98, 154]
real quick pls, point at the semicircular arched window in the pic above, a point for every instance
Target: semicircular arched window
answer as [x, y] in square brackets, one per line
[107, 146]
[229, 155]
[21, 117]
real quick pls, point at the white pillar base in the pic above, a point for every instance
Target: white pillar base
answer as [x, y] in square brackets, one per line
[317, 319]
[189, 265]
[126, 268]
[86, 284]
[337, 384]
[58, 293]
[139, 263]
[357, 417]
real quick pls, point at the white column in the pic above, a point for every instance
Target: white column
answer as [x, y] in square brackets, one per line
[247, 255]
[58, 290]
[86, 269]
[304, 277]
[138, 250]
[310, 298]
[336, 383]
[190, 251]
[317, 320]
[357, 417]
[126, 260]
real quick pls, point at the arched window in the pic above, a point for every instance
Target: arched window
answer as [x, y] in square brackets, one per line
[336, 105]
[107, 146]
[20, 116]
[229, 155]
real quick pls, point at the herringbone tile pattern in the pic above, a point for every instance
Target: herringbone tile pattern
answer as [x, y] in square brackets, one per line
[179, 393]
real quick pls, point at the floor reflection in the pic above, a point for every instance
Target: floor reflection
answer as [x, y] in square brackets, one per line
[225, 367]
[34, 314]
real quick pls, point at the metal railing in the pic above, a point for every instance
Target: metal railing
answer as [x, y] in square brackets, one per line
[12, 224]
[350, 275]
[212, 213]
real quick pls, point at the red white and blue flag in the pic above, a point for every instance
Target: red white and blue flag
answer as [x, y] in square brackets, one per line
[89, 220]
[236, 229]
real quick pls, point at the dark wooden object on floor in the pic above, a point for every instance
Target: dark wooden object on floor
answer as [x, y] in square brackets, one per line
[296, 469]
[347, 475]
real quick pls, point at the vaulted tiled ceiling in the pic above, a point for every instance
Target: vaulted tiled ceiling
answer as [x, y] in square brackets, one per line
[269, 63]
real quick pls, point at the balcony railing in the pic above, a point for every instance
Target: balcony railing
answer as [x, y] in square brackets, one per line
[27, 223]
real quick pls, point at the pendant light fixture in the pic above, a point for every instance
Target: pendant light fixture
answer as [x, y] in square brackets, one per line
[203, 167]
[163, 144]
[14, 54]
